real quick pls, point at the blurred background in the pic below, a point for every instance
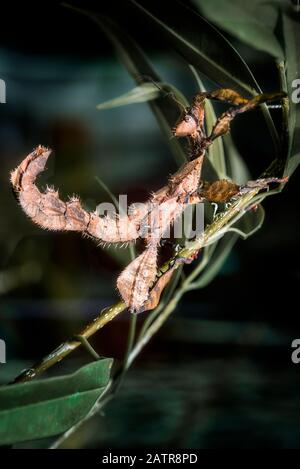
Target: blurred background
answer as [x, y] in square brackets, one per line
[219, 373]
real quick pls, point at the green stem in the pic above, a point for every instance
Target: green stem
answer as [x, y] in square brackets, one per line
[131, 335]
[69, 346]
[85, 343]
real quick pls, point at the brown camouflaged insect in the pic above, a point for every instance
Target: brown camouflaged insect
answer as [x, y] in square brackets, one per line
[138, 284]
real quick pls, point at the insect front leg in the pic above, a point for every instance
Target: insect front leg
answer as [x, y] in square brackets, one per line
[222, 125]
[191, 124]
[227, 95]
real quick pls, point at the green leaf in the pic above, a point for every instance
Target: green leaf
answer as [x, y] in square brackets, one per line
[203, 47]
[252, 22]
[43, 408]
[291, 36]
[219, 256]
[251, 222]
[139, 94]
[236, 167]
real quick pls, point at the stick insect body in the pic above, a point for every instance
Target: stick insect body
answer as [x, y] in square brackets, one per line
[138, 283]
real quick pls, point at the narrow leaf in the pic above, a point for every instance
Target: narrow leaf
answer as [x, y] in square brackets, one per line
[251, 222]
[140, 94]
[236, 167]
[252, 22]
[202, 46]
[217, 260]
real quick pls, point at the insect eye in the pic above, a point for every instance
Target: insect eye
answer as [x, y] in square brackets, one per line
[186, 127]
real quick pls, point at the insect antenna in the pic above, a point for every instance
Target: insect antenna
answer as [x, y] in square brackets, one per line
[169, 94]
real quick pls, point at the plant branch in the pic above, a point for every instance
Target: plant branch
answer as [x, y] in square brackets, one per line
[213, 232]
[69, 346]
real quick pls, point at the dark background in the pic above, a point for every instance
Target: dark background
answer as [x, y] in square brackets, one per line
[219, 374]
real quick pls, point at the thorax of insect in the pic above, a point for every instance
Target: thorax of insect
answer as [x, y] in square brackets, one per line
[139, 281]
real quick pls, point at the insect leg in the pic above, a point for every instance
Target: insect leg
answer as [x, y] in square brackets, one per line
[222, 94]
[222, 126]
[263, 183]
